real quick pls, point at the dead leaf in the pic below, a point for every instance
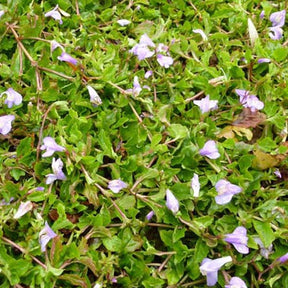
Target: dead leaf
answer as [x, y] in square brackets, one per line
[229, 132]
[263, 160]
[248, 119]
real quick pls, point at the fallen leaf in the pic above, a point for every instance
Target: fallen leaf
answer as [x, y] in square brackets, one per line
[263, 160]
[229, 132]
[248, 119]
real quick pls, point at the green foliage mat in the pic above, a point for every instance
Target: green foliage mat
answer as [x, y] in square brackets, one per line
[150, 137]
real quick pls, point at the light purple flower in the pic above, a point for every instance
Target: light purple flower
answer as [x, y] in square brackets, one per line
[262, 14]
[4, 202]
[142, 50]
[136, 87]
[67, 58]
[236, 282]
[264, 60]
[55, 14]
[171, 202]
[145, 40]
[150, 215]
[2, 12]
[123, 22]
[23, 209]
[45, 235]
[146, 87]
[249, 101]
[116, 185]
[278, 18]
[57, 166]
[278, 173]
[94, 97]
[6, 124]
[55, 45]
[13, 97]
[162, 48]
[210, 150]
[283, 258]
[39, 188]
[238, 239]
[148, 74]
[265, 252]
[50, 145]
[209, 268]
[195, 185]
[225, 190]
[201, 32]
[164, 61]
[276, 33]
[206, 105]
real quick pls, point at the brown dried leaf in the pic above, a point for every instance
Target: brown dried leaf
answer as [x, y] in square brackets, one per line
[248, 119]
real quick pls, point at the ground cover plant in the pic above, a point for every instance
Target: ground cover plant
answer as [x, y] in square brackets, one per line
[143, 144]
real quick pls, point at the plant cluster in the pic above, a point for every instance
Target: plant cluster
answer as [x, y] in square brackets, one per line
[143, 144]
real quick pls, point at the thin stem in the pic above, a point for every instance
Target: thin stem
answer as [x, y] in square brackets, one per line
[23, 251]
[56, 73]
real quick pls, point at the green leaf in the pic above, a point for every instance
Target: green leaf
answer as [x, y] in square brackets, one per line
[265, 232]
[178, 131]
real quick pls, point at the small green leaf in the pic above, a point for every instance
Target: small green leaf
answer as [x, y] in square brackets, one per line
[265, 232]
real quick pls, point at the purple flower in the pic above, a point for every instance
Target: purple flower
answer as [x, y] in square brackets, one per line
[278, 173]
[55, 45]
[148, 74]
[136, 87]
[162, 48]
[45, 235]
[225, 190]
[249, 101]
[58, 174]
[94, 97]
[145, 40]
[262, 14]
[195, 185]
[206, 105]
[171, 202]
[210, 150]
[236, 282]
[123, 22]
[150, 215]
[164, 61]
[13, 97]
[2, 12]
[6, 124]
[263, 251]
[54, 14]
[39, 188]
[209, 268]
[50, 146]
[23, 209]
[264, 60]
[4, 202]
[238, 239]
[275, 33]
[283, 258]
[67, 58]
[142, 50]
[116, 185]
[201, 32]
[278, 18]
